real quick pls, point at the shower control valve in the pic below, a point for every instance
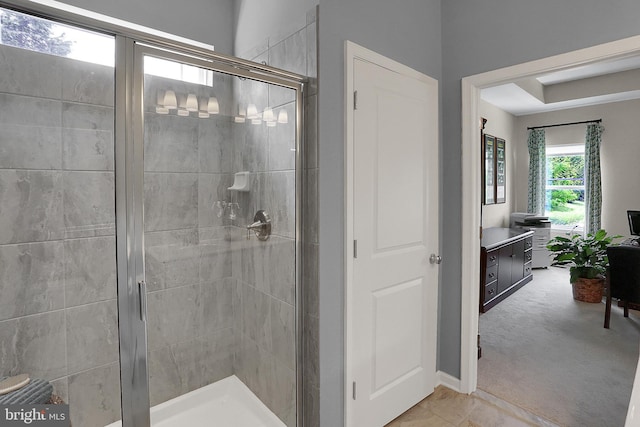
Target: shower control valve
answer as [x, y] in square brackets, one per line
[261, 226]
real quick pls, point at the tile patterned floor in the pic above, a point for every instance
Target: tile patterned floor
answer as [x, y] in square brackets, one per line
[447, 408]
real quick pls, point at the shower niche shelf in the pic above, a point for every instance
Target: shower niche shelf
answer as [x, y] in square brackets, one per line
[240, 182]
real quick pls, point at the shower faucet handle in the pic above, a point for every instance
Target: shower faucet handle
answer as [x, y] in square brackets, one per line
[261, 225]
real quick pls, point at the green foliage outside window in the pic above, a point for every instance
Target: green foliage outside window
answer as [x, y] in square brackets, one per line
[32, 33]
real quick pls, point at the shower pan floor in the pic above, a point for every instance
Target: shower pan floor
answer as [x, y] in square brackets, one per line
[227, 403]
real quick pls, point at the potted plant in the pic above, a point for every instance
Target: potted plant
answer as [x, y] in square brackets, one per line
[588, 259]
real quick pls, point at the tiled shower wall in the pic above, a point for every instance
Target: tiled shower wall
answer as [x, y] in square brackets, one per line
[187, 167]
[218, 304]
[58, 312]
[266, 357]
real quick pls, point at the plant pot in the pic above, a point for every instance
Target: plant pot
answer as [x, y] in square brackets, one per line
[588, 290]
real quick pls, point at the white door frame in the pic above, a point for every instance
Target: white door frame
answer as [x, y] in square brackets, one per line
[353, 51]
[471, 178]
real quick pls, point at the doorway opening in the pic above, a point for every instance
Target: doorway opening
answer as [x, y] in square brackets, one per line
[471, 166]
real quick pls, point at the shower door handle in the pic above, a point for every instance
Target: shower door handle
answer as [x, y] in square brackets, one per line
[142, 294]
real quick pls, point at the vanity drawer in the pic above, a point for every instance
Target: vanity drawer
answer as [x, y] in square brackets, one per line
[528, 243]
[527, 269]
[490, 291]
[492, 274]
[492, 259]
[528, 256]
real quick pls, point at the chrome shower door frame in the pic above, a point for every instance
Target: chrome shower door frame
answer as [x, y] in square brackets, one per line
[130, 192]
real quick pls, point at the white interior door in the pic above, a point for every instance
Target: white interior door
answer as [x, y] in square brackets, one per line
[393, 303]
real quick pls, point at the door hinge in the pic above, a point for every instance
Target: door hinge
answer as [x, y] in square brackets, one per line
[355, 249]
[354, 390]
[355, 99]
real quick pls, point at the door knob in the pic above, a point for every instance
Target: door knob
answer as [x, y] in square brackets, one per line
[435, 259]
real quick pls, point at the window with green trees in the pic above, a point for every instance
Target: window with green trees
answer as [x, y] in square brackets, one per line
[565, 187]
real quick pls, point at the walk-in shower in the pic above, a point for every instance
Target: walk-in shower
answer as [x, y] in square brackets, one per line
[136, 189]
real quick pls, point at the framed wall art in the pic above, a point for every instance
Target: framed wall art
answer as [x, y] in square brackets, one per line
[501, 171]
[488, 169]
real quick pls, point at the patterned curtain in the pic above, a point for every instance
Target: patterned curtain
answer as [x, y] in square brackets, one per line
[592, 185]
[537, 171]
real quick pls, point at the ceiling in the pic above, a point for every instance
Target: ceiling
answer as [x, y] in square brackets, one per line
[598, 83]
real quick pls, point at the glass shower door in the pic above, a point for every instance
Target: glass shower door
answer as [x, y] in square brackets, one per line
[58, 275]
[221, 298]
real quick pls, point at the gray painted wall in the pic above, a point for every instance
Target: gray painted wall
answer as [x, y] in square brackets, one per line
[408, 33]
[206, 21]
[483, 36]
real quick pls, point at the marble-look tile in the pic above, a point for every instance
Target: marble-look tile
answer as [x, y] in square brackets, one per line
[88, 83]
[311, 132]
[172, 265]
[222, 88]
[219, 349]
[282, 140]
[281, 202]
[312, 57]
[256, 317]
[217, 305]
[449, 405]
[31, 208]
[310, 220]
[174, 370]
[251, 147]
[215, 261]
[291, 55]
[486, 414]
[87, 149]
[312, 14]
[236, 298]
[281, 396]
[420, 417]
[94, 396]
[31, 279]
[212, 188]
[170, 201]
[27, 111]
[29, 73]
[61, 388]
[89, 203]
[216, 145]
[255, 51]
[254, 367]
[170, 143]
[30, 147]
[247, 91]
[270, 267]
[311, 406]
[245, 364]
[172, 237]
[92, 335]
[310, 279]
[173, 316]
[283, 332]
[311, 349]
[90, 271]
[84, 116]
[34, 344]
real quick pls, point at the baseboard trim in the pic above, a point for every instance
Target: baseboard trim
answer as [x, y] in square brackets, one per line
[448, 381]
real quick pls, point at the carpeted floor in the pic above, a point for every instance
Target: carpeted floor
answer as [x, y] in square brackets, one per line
[549, 354]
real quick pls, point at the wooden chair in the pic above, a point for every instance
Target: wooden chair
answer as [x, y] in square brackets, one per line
[623, 278]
